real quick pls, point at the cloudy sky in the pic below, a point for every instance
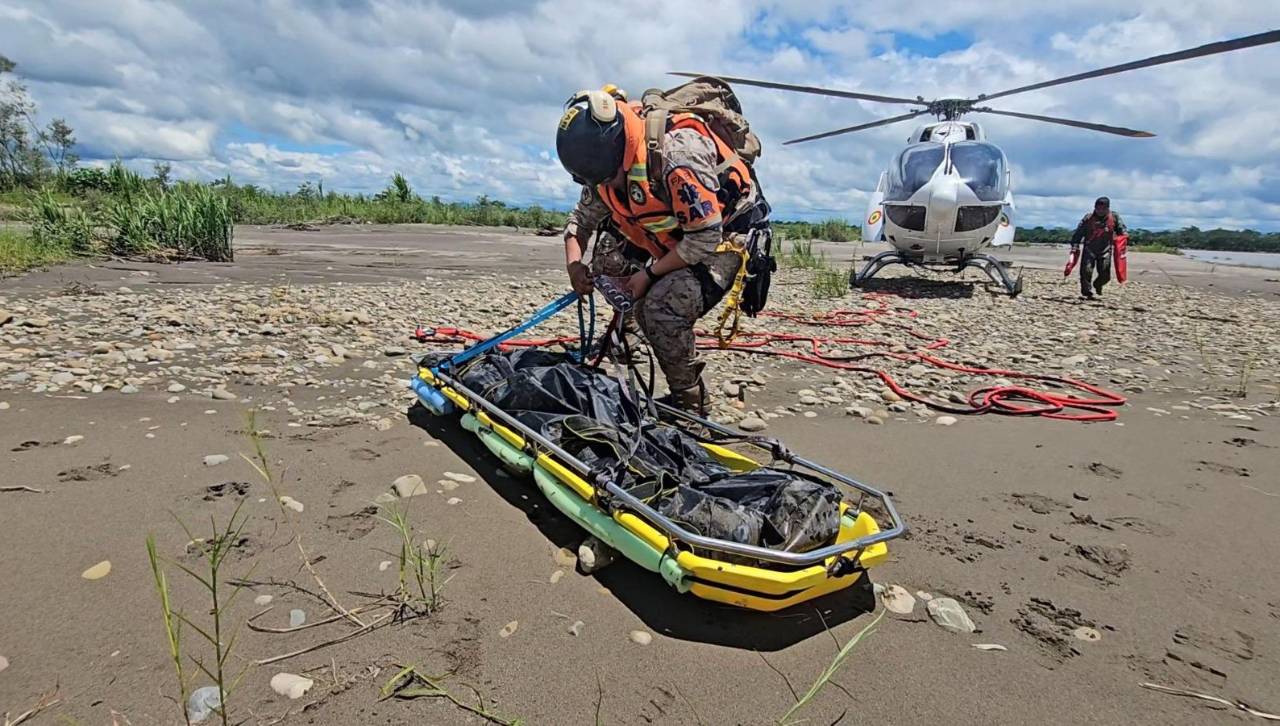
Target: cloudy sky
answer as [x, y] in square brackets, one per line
[462, 96]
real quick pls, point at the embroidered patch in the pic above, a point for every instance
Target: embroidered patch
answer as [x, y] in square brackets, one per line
[567, 118]
[636, 192]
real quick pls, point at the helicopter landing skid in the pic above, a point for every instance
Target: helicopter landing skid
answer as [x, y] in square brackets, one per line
[990, 265]
[996, 271]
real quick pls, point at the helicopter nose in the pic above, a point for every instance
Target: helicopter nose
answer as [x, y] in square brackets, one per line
[943, 203]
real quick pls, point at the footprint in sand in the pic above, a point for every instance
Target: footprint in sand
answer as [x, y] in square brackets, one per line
[88, 473]
[1038, 503]
[213, 492]
[1217, 468]
[1208, 656]
[1142, 526]
[355, 525]
[1104, 471]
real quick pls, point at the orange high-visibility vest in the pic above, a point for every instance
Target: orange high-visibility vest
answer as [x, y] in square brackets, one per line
[646, 219]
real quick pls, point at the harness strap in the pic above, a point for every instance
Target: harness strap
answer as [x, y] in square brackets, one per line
[733, 303]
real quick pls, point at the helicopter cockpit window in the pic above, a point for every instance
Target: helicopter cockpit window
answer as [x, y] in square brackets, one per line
[981, 165]
[912, 170]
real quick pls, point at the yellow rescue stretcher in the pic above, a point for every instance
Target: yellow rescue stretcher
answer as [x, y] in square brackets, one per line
[686, 560]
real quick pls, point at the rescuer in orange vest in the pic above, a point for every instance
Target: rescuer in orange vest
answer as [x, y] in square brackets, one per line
[670, 211]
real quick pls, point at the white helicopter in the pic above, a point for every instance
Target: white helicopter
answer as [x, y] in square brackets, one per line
[947, 196]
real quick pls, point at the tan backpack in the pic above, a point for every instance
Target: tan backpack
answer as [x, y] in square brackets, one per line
[712, 100]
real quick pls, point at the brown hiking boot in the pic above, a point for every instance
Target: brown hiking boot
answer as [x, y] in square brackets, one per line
[690, 400]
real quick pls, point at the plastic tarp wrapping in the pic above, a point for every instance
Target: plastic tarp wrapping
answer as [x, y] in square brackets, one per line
[594, 417]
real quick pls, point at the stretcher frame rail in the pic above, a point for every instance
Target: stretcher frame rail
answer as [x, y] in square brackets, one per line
[677, 533]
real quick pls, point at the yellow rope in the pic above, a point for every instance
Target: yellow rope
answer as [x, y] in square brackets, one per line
[733, 301]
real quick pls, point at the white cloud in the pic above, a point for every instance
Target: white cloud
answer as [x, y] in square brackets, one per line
[462, 96]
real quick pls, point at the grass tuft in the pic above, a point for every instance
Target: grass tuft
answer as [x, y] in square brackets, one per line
[421, 567]
[829, 284]
[803, 258]
[788, 718]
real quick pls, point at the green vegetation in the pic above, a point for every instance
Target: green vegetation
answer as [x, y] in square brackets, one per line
[1187, 238]
[803, 258]
[410, 682]
[789, 718]
[828, 284]
[19, 252]
[214, 666]
[831, 230]
[397, 204]
[1157, 248]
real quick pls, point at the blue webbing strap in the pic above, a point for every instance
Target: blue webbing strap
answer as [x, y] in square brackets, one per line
[538, 318]
[586, 329]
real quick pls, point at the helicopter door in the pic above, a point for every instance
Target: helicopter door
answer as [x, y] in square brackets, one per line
[873, 222]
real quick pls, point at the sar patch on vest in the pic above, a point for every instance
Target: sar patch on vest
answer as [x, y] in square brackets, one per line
[636, 192]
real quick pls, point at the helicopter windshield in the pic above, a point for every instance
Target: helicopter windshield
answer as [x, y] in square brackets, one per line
[981, 165]
[912, 169]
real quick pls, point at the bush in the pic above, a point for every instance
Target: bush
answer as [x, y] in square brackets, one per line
[58, 225]
[191, 220]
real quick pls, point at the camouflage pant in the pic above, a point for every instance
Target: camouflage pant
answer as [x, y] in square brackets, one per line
[666, 315]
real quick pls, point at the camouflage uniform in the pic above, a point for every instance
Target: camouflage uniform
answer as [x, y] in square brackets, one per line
[674, 303]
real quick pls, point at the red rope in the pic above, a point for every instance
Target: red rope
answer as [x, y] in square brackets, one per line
[1091, 403]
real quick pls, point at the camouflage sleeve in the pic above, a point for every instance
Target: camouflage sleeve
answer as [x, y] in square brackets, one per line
[690, 173]
[1120, 227]
[587, 214]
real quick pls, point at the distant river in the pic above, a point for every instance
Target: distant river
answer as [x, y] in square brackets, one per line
[1247, 259]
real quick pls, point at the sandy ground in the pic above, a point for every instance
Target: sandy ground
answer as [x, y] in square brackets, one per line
[1157, 530]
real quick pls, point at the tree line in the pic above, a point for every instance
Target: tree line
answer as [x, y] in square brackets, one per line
[1187, 238]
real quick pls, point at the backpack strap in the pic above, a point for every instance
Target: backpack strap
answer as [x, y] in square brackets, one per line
[655, 132]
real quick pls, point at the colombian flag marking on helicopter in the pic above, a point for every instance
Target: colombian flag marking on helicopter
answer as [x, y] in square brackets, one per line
[875, 217]
[1004, 220]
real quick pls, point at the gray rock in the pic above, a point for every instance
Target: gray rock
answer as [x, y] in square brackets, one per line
[62, 378]
[409, 485]
[949, 615]
[875, 420]
[128, 389]
[216, 459]
[176, 388]
[393, 351]
[222, 394]
[203, 703]
[297, 617]
[752, 423]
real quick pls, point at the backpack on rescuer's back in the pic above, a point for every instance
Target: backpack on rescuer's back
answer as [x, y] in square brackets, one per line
[713, 101]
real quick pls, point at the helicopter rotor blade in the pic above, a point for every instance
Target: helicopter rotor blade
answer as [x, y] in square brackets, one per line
[807, 89]
[859, 127]
[1248, 41]
[1117, 130]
